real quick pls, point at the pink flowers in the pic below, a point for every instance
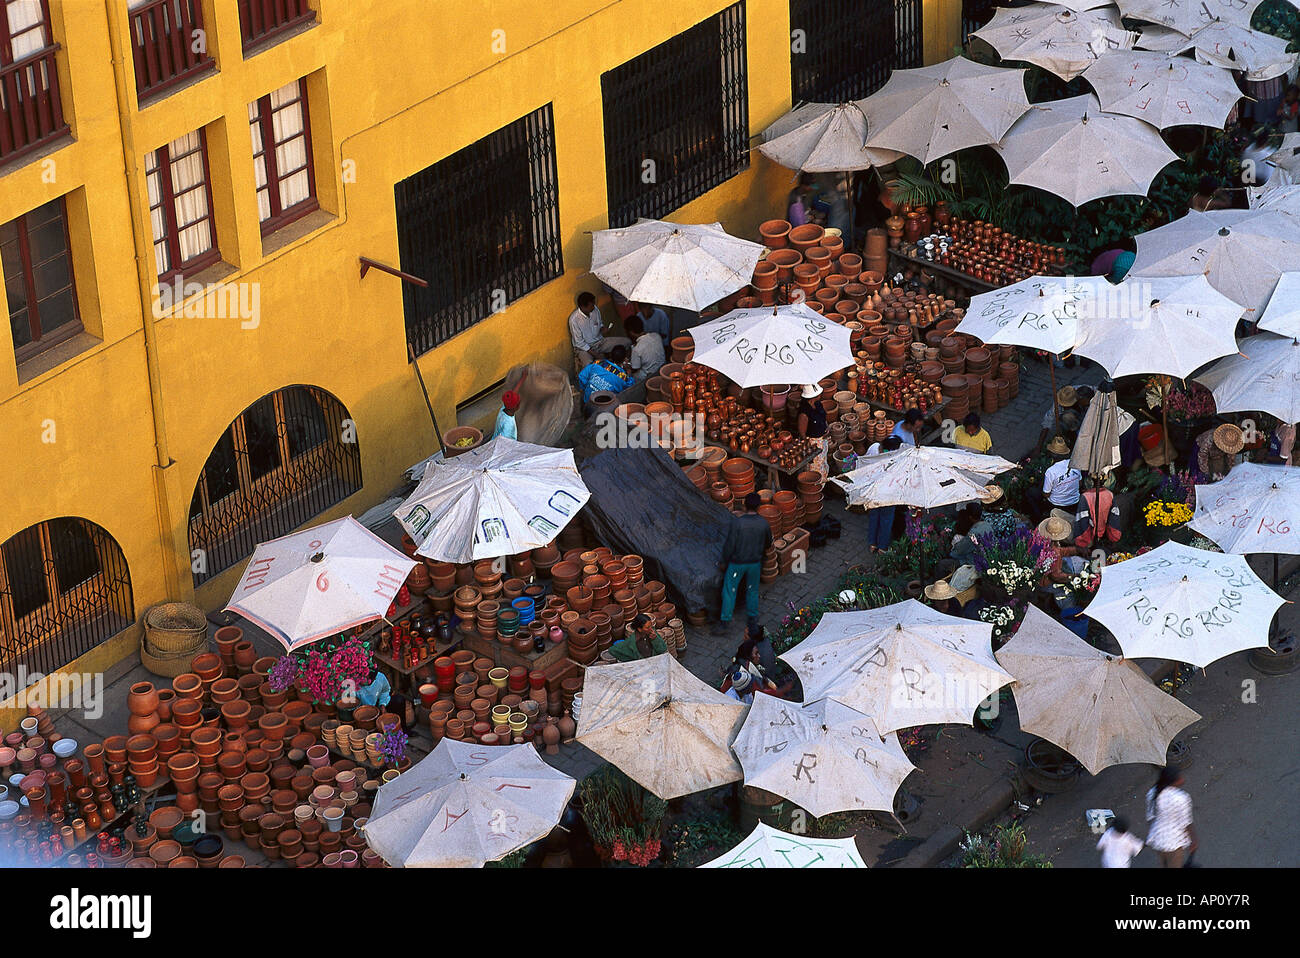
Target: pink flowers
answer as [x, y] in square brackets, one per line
[640, 855]
[327, 677]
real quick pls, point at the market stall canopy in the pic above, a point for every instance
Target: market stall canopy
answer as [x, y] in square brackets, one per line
[925, 477]
[773, 345]
[1264, 376]
[661, 725]
[1242, 252]
[1280, 193]
[1287, 155]
[1164, 90]
[1072, 149]
[1152, 325]
[673, 264]
[1255, 509]
[1059, 40]
[1184, 604]
[318, 582]
[1188, 16]
[463, 805]
[1221, 43]
[503, 498]
[1101, 709]
[1041, 312]
[930, 112]
[768, 847]
[903, 664]
[823, 138]
[1096, 449]
[823, 756]
[1282, 314]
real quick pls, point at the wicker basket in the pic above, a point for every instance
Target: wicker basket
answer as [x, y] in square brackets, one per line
[175, 627]
[172, 662]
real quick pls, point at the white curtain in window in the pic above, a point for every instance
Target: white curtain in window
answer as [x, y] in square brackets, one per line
[291, 154]
[259, 165]
[22, 15]
[189, 201]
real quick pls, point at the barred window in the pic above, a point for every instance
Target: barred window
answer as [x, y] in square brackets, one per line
[285, 459]
[482, 226]
[844, 50]
[977, 13]
[64, 589]
[180, 206]
[677, 119]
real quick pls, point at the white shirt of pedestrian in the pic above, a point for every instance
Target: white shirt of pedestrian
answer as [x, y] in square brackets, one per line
[1170, 814]
[648, 352]
[1117, 850]
[1061, 483]
[586, 331]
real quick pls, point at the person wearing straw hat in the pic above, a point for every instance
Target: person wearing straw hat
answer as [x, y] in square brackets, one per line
[812, 425]
[1072, 403]
[1058, 529]
[942, 597]
[1061, 480]
[1217, 450]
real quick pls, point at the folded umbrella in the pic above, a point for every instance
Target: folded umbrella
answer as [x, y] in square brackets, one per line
[823, 138]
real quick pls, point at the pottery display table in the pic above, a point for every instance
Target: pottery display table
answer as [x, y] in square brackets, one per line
[400, 676]
[774, 472]
[508, 658]
[901, 262]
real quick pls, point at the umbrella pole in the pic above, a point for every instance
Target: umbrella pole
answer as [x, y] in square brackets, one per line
[1272, 625]
[1051, 369]
[410, 352]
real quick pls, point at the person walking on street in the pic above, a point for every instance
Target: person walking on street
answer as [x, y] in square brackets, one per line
[1118, 846]
[748, 537]
[880, 521]
[1171, 835]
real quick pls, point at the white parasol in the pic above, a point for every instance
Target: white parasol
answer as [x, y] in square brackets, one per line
[1255, 509]
[1061, 41]
[1188, 16]
[1265, 376]
[824, 756]
[1282, 314]
[503, 498]
[1073, 149]
[673, 264]
[768, 847]
[925, 477]
[463, 805]
[903, 664]
[823, 138]
[773, 345]
[1185, 604]
[1164, 90]
[1233, 46]
[1041, 312]
[318, 582]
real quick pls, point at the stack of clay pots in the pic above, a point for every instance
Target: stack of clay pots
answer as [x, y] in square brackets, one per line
[811, 485]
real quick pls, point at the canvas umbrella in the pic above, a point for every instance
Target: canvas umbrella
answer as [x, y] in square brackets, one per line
[773, 345]
[1281, 192]
[661, 725]
[1282, 314]
[823, 138]
[768, 847]
[1152, 325]
[929, 112]
[1222, 43]
[1287, 155]
[463, 805]
[1264, 376]
[673, 264]
[824, 756]
[1062, 41]
[1256, 508]
[503, 498]
[1096, 449]
[1041, 312]
[1073, 149]
[1188, 16]
[1164, 90]
[1101, 709]
[924, 477]
[1184, 604]
[318, 582]
[903, 664]
[1242, 252]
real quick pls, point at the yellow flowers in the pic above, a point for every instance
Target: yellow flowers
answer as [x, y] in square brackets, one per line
[1167, 513]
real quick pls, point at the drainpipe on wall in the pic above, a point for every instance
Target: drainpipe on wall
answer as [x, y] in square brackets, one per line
[144, 265]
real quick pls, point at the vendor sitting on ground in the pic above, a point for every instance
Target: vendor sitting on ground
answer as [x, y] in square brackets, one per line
[1057, 529]
[1098, 517]
[610, 375]
[643, 643]
[647, 349]
[969, 435]
[970, 525]
[1217, 450]
[746, 660]
[942, 597]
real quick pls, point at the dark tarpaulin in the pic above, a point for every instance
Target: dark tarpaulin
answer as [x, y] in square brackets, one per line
[642, 503]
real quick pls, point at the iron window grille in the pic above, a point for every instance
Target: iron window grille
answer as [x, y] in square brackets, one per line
[64, 589]
[677, 119]
[180, 206]
[286, 458]
[482, 226]
[846, 49]
[37, 262]
[282, 159]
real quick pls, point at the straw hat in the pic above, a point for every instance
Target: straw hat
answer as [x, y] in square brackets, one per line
[1229, 438]
[992, 493]
[1058, 446]
[940, 591]
[1054, 528]
[1066, 396]
[812, 391]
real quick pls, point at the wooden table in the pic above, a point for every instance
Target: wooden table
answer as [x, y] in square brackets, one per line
[774, 472]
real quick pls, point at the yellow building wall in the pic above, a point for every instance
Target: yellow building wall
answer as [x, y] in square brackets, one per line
[394, 86]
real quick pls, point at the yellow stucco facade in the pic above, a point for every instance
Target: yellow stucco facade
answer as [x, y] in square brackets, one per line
[117, 429]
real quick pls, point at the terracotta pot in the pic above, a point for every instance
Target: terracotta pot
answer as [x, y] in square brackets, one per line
[775, 233]
[142, 699]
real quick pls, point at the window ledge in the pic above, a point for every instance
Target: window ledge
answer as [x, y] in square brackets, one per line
[280, 35]
[292, 232]
[208, 276]
[55, 356]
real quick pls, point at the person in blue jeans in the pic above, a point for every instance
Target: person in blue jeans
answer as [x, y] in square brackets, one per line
[748, 537]
[880, 522]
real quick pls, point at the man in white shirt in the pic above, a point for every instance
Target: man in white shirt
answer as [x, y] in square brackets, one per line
[655, 320]
[647, 349]
[1061, 480]
[1118, 846]
[587, 331]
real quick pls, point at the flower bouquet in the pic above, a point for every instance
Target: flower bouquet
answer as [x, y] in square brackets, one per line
[327, 675]
[1012, 563]
[625, 821]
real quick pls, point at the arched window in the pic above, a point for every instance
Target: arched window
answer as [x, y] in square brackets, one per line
[286, 458]
[64, 588]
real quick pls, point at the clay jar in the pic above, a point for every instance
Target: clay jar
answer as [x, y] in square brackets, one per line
[142, 699]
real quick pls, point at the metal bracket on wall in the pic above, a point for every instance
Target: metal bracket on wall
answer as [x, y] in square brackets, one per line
[367, 264]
